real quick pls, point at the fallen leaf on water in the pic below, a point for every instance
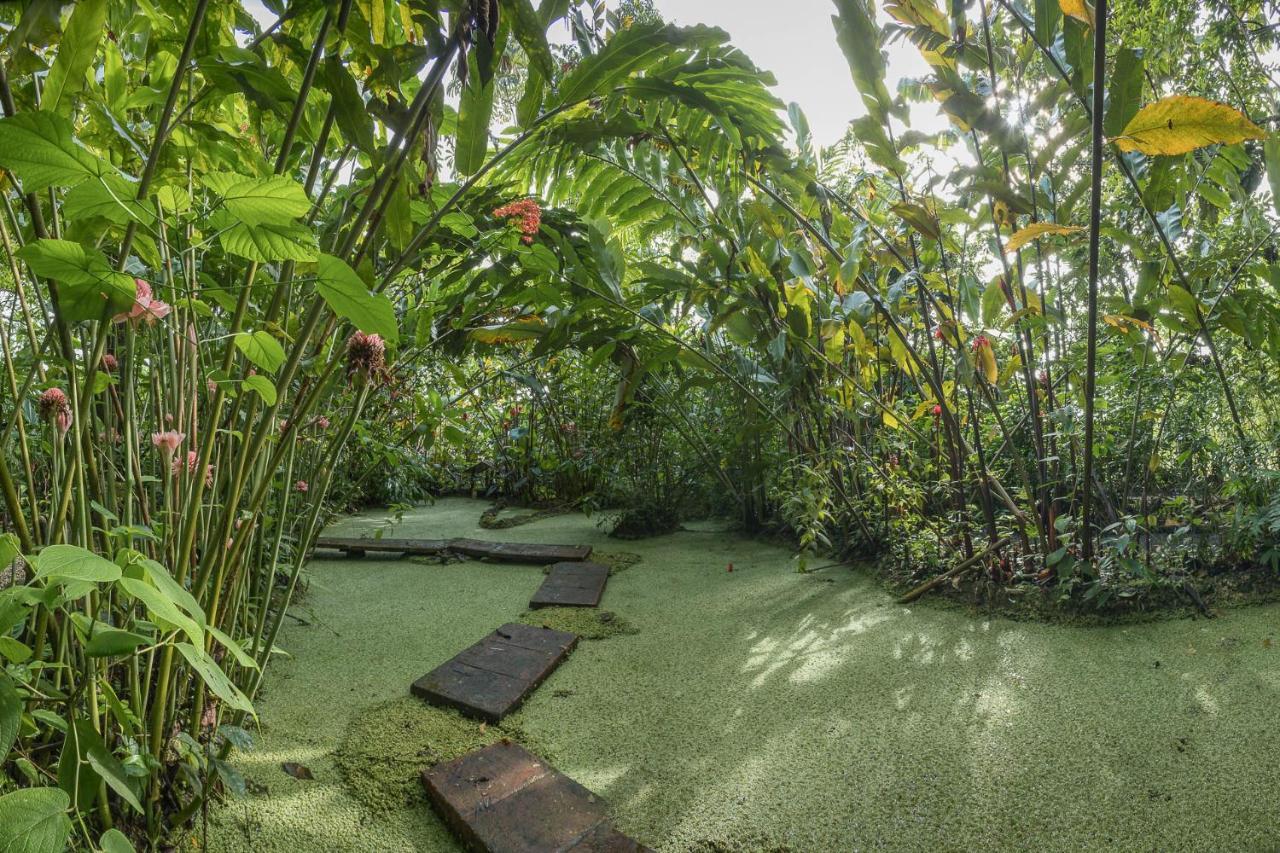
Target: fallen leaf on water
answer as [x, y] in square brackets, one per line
[297, 771]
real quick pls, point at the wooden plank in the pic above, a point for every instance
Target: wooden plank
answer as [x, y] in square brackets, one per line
[519, 552]
[504, 799]
[493, 677]
[509, 552]
[357, 546]
[571, 585]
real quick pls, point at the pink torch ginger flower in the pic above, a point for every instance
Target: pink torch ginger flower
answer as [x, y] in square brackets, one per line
[193, 461]
[55, 407]
[109, 363]
[168, 442]
[979, 342]
[301, 486]
[144, 307]
[322, 422]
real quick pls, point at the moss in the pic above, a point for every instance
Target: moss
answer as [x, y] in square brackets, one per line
[388, 744]
[617, 561]
[764, 709]
[587, 622]
[491, 518]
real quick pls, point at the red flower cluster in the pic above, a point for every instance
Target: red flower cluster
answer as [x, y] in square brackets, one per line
[55, 407]
[979, 342]
[530, 215]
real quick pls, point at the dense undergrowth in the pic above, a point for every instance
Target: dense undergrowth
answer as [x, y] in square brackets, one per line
[259, 271]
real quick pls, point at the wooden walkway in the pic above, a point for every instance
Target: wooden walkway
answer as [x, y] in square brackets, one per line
[507, 552]
[571, 585]
[493, 677]
[504, 799]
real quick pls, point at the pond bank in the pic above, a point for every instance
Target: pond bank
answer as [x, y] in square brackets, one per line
[765, 710]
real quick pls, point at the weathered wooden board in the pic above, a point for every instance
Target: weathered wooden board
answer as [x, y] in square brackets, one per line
[571, 585]
[519, 552]
[504, 799]
[357, 547]
[493, 677]
[509, 552]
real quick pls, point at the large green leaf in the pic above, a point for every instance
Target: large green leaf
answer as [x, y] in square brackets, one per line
[349, 109]
[41, 149]
[277, 200]
[531, 34]
[1124, 94]
[111, 197]
[63, 563]
[475, 110]
[859, 38]
[162, 608]
[79, 43]
[34, 820]
[10, 715]
[270, 241]
[348, 297]
[85, 760]
[261, 349]
[91, 288]
[1271, 151]
[632, 51]
[115, 841]
[214, 678]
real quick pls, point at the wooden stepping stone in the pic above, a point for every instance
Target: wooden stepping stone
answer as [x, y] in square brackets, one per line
[509, 552]
[571, 585]
[354, 547]
[492, 678]
[504, 799]
[519, 552]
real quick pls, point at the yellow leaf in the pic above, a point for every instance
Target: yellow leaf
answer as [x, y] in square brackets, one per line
[889, 419]
[1036, 230]
[1181, 123]
[1078, 9]
[986, 359]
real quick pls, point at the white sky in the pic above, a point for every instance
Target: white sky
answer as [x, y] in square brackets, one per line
[796, 41]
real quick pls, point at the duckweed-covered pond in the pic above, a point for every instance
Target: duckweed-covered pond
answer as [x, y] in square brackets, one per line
[760, 709]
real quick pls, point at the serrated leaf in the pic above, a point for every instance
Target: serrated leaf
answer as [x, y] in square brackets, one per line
[277, 200]
[346, 294]
[91, 288]
[1181, 123]
[270, 242]
[34, 820]
[1035, 231]
[110, 197]
[41, 149]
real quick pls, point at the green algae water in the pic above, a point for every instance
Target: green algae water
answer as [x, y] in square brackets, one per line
[761, 709]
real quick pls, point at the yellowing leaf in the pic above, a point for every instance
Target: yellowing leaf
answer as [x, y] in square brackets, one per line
[1036, 230]
[986, 363]
[1078, 9]
[1182, 123]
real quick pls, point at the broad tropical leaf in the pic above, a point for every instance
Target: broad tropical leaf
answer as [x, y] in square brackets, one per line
[1182, 123]
[1035, 231]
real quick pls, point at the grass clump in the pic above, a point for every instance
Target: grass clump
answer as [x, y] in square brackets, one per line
[388, 745]
[588, 623]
